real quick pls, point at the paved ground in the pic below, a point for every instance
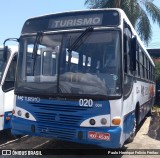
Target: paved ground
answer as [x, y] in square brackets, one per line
[143, 141]
[154, 128]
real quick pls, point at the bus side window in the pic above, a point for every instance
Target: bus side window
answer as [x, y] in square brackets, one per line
[128, 79]
[10, 76]
[137, 61]
[125, 54]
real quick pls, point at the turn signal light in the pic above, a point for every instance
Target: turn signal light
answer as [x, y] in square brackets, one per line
[116, 121]
[8, 118]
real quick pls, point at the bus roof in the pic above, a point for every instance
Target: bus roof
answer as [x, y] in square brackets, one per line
[75, 11]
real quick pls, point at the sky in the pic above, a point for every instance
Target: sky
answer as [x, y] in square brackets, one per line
[14, 13]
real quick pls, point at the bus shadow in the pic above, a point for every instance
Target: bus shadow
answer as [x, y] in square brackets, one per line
[140, 125]
[5, 136]
[69, 149]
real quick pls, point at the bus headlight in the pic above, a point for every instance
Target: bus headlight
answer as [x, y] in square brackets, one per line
[92, 122]
[103, 121]
[97, 121]
[19, 113]
[24, 114]
[27, 115]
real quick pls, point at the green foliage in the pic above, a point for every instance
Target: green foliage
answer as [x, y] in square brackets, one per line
[157, 70]
[137, 11]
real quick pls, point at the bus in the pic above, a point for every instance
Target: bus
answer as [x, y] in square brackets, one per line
[7, 80]
[88, 78]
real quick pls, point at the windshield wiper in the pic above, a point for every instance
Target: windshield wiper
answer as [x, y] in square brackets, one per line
[35, 49]
[79, 40]
[77, 43]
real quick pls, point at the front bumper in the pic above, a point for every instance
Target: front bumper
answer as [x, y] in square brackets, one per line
[67, 133]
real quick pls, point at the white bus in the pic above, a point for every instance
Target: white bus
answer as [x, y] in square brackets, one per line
[89, 78]
[7, 80]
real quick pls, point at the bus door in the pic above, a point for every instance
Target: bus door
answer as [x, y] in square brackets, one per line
[2, 68]
[8, 90]
[129, 92]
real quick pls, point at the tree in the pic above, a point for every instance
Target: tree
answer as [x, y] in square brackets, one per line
[138, 11]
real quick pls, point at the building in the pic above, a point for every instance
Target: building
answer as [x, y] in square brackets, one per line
[155, 54]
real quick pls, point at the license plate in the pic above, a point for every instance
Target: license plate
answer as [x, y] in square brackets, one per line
[99, 135]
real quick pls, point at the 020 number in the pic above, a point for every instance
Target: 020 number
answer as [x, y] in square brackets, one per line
[86, 102]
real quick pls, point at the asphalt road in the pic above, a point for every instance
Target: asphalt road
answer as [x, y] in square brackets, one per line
[141, 141]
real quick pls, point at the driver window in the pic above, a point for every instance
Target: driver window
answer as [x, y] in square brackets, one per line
[10, 77]
[11, 71]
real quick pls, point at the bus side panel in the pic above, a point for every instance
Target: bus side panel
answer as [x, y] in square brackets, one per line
[128, 125]
[128, 113]
[143, 95]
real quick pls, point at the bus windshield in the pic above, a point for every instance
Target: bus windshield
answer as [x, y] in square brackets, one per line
[92, 67]
[2, 64]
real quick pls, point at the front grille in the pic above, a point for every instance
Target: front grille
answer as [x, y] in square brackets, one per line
[57, 131]
[59, 119]
[60, 107]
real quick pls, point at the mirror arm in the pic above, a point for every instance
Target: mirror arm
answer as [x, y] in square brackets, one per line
[10, 39]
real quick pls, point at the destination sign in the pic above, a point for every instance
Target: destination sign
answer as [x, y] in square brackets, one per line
[77, 19]
[73, 21]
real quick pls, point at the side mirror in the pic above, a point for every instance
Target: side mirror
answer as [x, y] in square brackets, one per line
[5, 53]
[6, 49]
[133, 53]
